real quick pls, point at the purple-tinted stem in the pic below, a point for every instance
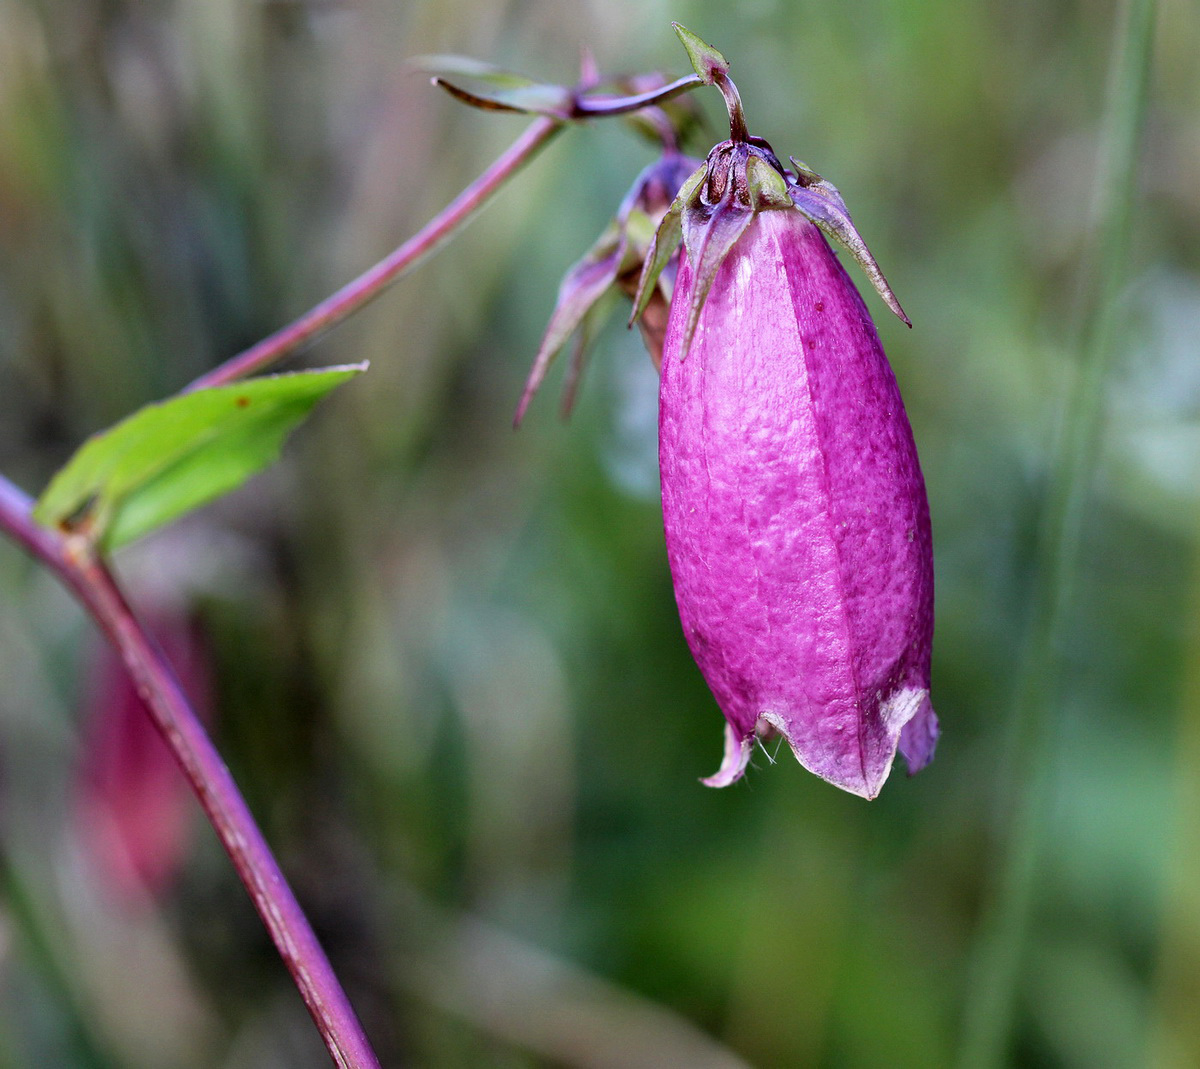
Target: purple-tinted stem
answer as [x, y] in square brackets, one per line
[16, 520]
[596, 107]
[351, 297]
[79, 568]
[76, 564]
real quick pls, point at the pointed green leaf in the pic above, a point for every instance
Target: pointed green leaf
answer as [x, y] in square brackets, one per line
[707, 62]
[532, 99]
[821, 203]
[501, 90]
[171, 457]
[475, 69]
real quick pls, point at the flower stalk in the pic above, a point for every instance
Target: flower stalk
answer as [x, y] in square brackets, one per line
[76, 564]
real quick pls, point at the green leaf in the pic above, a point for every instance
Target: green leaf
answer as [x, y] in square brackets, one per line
[534, 99]
[466, 67]
[707, 62]
[501, 90]
[174, 456]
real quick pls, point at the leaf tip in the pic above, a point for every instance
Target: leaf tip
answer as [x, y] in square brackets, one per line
[707, 62]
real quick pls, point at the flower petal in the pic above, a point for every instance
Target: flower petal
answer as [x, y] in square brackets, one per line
[737, 757]
[795, 513]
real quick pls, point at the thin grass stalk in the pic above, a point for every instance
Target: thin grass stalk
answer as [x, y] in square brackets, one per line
[1175, 1027]
[1027, 773]
[372, 282]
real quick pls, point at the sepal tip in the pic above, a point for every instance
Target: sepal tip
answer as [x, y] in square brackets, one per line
[820, 202]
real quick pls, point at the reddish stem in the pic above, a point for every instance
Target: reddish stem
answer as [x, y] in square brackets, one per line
[733, 104]
[16, 520]
[77, 566]
[351, 297]
[597, 107]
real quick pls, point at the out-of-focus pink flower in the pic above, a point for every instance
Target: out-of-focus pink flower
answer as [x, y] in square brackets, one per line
[132, 804]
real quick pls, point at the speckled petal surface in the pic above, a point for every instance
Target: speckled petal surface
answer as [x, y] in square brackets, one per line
[795, 513]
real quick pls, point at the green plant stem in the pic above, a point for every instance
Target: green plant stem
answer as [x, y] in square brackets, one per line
[372, 282]
[1027, 772]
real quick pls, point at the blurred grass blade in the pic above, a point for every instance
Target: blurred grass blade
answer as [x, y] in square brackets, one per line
[1027, 771]
[171, 457]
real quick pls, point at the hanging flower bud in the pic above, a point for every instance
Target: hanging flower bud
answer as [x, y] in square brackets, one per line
[655, 108]
[795, 514]
[614, 263]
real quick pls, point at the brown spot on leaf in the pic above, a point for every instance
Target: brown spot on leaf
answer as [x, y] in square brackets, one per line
[81, 519]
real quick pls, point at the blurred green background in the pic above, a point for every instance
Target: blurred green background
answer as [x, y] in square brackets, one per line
[445, 662]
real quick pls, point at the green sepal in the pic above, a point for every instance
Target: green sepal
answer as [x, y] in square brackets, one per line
[589, 327]
[666, 240]
[174, 456]
[707, 62]
[768, 188]
[708, 241]
[821, 203]
[639, 228]
[581, 288]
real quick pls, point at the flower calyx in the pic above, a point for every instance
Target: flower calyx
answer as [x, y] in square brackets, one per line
[740, 178]
[821, 203]
[715, 205]
[613, 264]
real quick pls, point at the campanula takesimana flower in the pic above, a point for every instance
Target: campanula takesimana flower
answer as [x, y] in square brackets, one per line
[794, 509]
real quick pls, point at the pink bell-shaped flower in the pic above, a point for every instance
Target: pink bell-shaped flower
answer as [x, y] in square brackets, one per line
[795, 514]
[796, 520]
